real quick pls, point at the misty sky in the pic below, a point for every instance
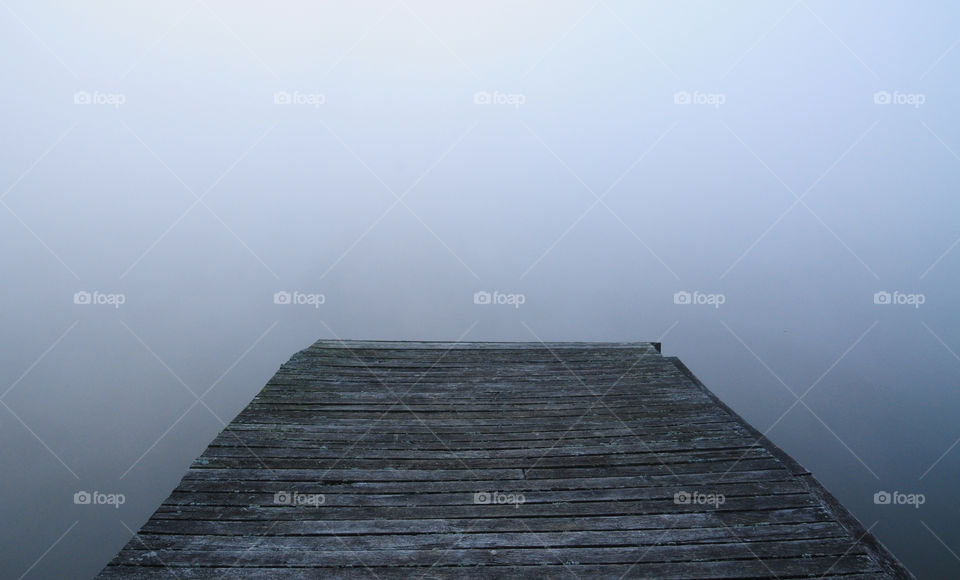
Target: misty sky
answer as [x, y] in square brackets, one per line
[183, 162]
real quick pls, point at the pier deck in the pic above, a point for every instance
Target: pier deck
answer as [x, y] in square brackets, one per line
[516, 460]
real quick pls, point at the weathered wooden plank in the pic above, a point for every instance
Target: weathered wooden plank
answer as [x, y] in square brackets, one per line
[767, 552]
[810, 534]
[486, 540]
[307, 414]
[425, 441]
[451, 460]
[540, 408]
[273, 512]
[653, 571]
[334, 473]
[340, 429]
[557, 449]
[689, 480]
[531, 496]
[551, 523]
[462, 425]
[383, 424]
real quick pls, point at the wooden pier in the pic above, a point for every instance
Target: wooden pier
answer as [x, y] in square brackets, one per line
[495, 460]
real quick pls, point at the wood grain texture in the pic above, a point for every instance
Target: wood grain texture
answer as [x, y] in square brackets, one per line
[379, 459]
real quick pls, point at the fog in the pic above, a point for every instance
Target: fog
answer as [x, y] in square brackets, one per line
[183, 162]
